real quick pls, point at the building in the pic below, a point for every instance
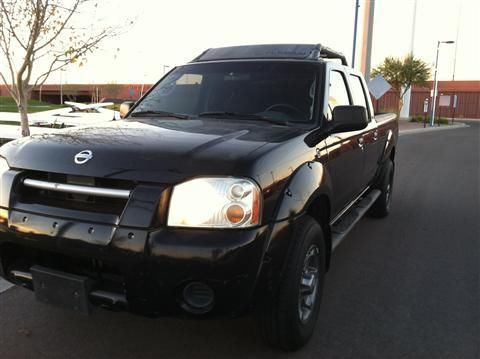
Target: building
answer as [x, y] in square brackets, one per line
[86, 93]
[467, 99]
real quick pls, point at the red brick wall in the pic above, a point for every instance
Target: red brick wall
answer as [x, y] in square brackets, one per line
[110, 91]
[468, 99]
[386, 103]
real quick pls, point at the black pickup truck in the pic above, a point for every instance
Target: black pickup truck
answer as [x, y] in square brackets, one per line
[223, 191]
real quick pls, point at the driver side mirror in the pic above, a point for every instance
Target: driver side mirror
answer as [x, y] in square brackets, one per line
[345, 119]
[348, 118]
[125, 107]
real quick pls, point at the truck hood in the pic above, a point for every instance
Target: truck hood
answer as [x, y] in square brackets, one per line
[149, 150]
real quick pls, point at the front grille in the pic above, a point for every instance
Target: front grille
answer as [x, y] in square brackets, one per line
[71, 199]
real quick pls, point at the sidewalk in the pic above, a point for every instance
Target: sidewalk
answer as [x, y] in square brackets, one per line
[407, 127]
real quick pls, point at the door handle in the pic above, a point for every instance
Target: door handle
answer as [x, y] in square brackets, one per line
[375, 135]
[361, 142]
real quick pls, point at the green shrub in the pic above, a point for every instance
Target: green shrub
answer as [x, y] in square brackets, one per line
[421, 119]
[7, 104]
[417, 119]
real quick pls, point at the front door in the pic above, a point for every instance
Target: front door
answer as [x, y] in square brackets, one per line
[345, 150]
[346, 166]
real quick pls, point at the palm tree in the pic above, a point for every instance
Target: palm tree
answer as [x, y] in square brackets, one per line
[401, 74]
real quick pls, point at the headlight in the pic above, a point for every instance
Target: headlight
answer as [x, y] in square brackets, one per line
[215, 203]
[3, 168]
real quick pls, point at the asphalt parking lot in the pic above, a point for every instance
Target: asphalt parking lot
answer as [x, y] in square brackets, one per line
[404, 287]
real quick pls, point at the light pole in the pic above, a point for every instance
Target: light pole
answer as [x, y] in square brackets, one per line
[368, 19]
[405, 110]
[455, 99]
[435, 82]
[357, 5]
[143, 85]
[61, 86]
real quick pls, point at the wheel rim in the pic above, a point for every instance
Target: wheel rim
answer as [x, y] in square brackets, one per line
[309, 284]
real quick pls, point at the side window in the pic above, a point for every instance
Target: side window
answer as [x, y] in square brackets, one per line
[358, 93]
[337, 93]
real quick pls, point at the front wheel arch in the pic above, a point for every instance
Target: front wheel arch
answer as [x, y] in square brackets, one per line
[320, 210]
[278, 313]
[384, 183]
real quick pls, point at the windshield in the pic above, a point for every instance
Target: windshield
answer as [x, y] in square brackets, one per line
[260, 90]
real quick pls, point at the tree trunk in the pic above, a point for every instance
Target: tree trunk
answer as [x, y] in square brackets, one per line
[22, 105]
[400, 105]
[398, 94]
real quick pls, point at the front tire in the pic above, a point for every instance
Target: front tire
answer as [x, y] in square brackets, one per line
[288, 318]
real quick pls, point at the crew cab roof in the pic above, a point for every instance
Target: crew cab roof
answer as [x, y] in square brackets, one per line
[314, 52]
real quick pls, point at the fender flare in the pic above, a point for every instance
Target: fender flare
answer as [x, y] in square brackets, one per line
[388, 153]
[310, 181]
[390, 143]
[307, 183]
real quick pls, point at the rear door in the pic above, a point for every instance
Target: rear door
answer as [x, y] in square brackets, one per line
[345, 150]
[372, 145]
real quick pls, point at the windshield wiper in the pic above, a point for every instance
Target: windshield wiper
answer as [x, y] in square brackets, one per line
[243, 116]
[159, 114]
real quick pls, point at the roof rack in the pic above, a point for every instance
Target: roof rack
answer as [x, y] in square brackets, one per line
[282, 51]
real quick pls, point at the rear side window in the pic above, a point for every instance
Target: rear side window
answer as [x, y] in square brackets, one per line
[358, 92]
[337, 93]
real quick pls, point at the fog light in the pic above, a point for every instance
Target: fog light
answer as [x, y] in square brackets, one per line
[198, 298]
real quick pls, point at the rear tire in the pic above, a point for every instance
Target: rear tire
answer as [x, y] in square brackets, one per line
[287, 319]
[381, 207]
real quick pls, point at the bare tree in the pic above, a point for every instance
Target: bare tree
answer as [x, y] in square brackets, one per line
[39, 37]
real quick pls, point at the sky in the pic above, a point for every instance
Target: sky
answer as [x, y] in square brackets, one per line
[170, 33]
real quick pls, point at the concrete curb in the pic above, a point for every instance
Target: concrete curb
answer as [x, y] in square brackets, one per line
[432, 129]
[4, 285]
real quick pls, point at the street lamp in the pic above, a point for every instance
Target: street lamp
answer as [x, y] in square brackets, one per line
[435, 82]
[61, 86]
[357, 5]
[143, 85]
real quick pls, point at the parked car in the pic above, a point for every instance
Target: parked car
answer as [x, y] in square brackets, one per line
[222, 192]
